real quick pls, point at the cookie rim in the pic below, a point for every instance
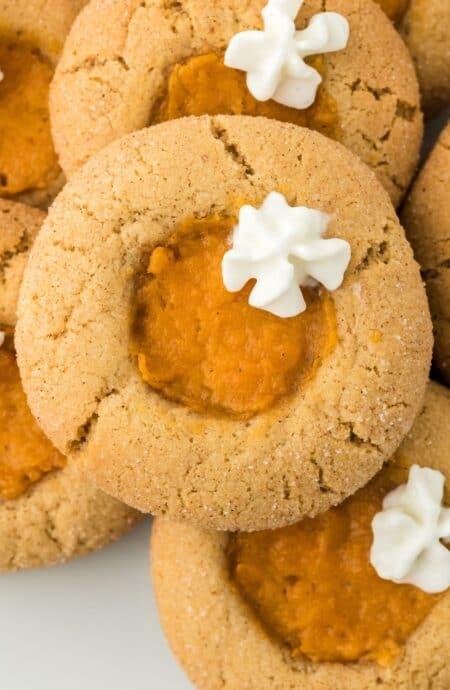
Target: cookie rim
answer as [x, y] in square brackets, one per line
[421, 40]
[48, 29]
[428, 240]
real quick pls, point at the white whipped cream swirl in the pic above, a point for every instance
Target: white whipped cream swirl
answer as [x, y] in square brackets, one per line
[407, 533]
[274, 58]
[282, 248]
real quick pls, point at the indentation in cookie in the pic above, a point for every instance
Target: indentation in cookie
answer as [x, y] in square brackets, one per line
[201, 345]
[204, 85]
[314, 589]
[26, 455]
[27, 158]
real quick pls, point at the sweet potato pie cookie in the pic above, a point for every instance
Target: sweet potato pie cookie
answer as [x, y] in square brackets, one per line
[426, 218]
[128, 64]
[302, 607]
[31, 38]
[425, 27]
[47, 512]
[194, 391]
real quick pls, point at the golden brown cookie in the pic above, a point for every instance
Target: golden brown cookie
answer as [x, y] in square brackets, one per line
[426, 218]
[31, 39]
[425, 27]
[221, 640]
[121, 57]
[48, 512]
[176, 452]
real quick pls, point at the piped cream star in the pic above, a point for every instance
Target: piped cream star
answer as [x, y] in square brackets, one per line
[406, 544]
[282, 247]
[274, 58]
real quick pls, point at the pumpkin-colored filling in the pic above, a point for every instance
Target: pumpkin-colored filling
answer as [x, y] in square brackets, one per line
[314, 589]
[25, 453]
[395, 9]
[200, 345]
[203, 85]
[27, 157]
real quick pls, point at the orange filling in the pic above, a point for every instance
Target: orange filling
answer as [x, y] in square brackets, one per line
[203, 346]
[27, 157]
[203, 85]
[313, 587]
[395, 9]
[25, 453]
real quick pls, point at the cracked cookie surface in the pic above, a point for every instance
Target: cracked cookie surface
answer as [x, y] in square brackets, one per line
[220, 641]
[60, 515]
[426, 219]
[303, 455]
[115, 70]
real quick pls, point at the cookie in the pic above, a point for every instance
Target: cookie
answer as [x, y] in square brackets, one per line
[31, 39]
[48, 512]
[426, 218]
[150, 56]
[425, 26]
[389, 636]
[237, 418]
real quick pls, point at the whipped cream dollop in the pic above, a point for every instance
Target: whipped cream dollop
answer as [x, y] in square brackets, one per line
[274, 58]
[407, 533]
[282, 248]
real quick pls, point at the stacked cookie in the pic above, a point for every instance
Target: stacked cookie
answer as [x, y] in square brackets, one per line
[48, 511]
[222, 323]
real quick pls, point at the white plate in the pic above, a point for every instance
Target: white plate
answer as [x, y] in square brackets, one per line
[90, 624]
